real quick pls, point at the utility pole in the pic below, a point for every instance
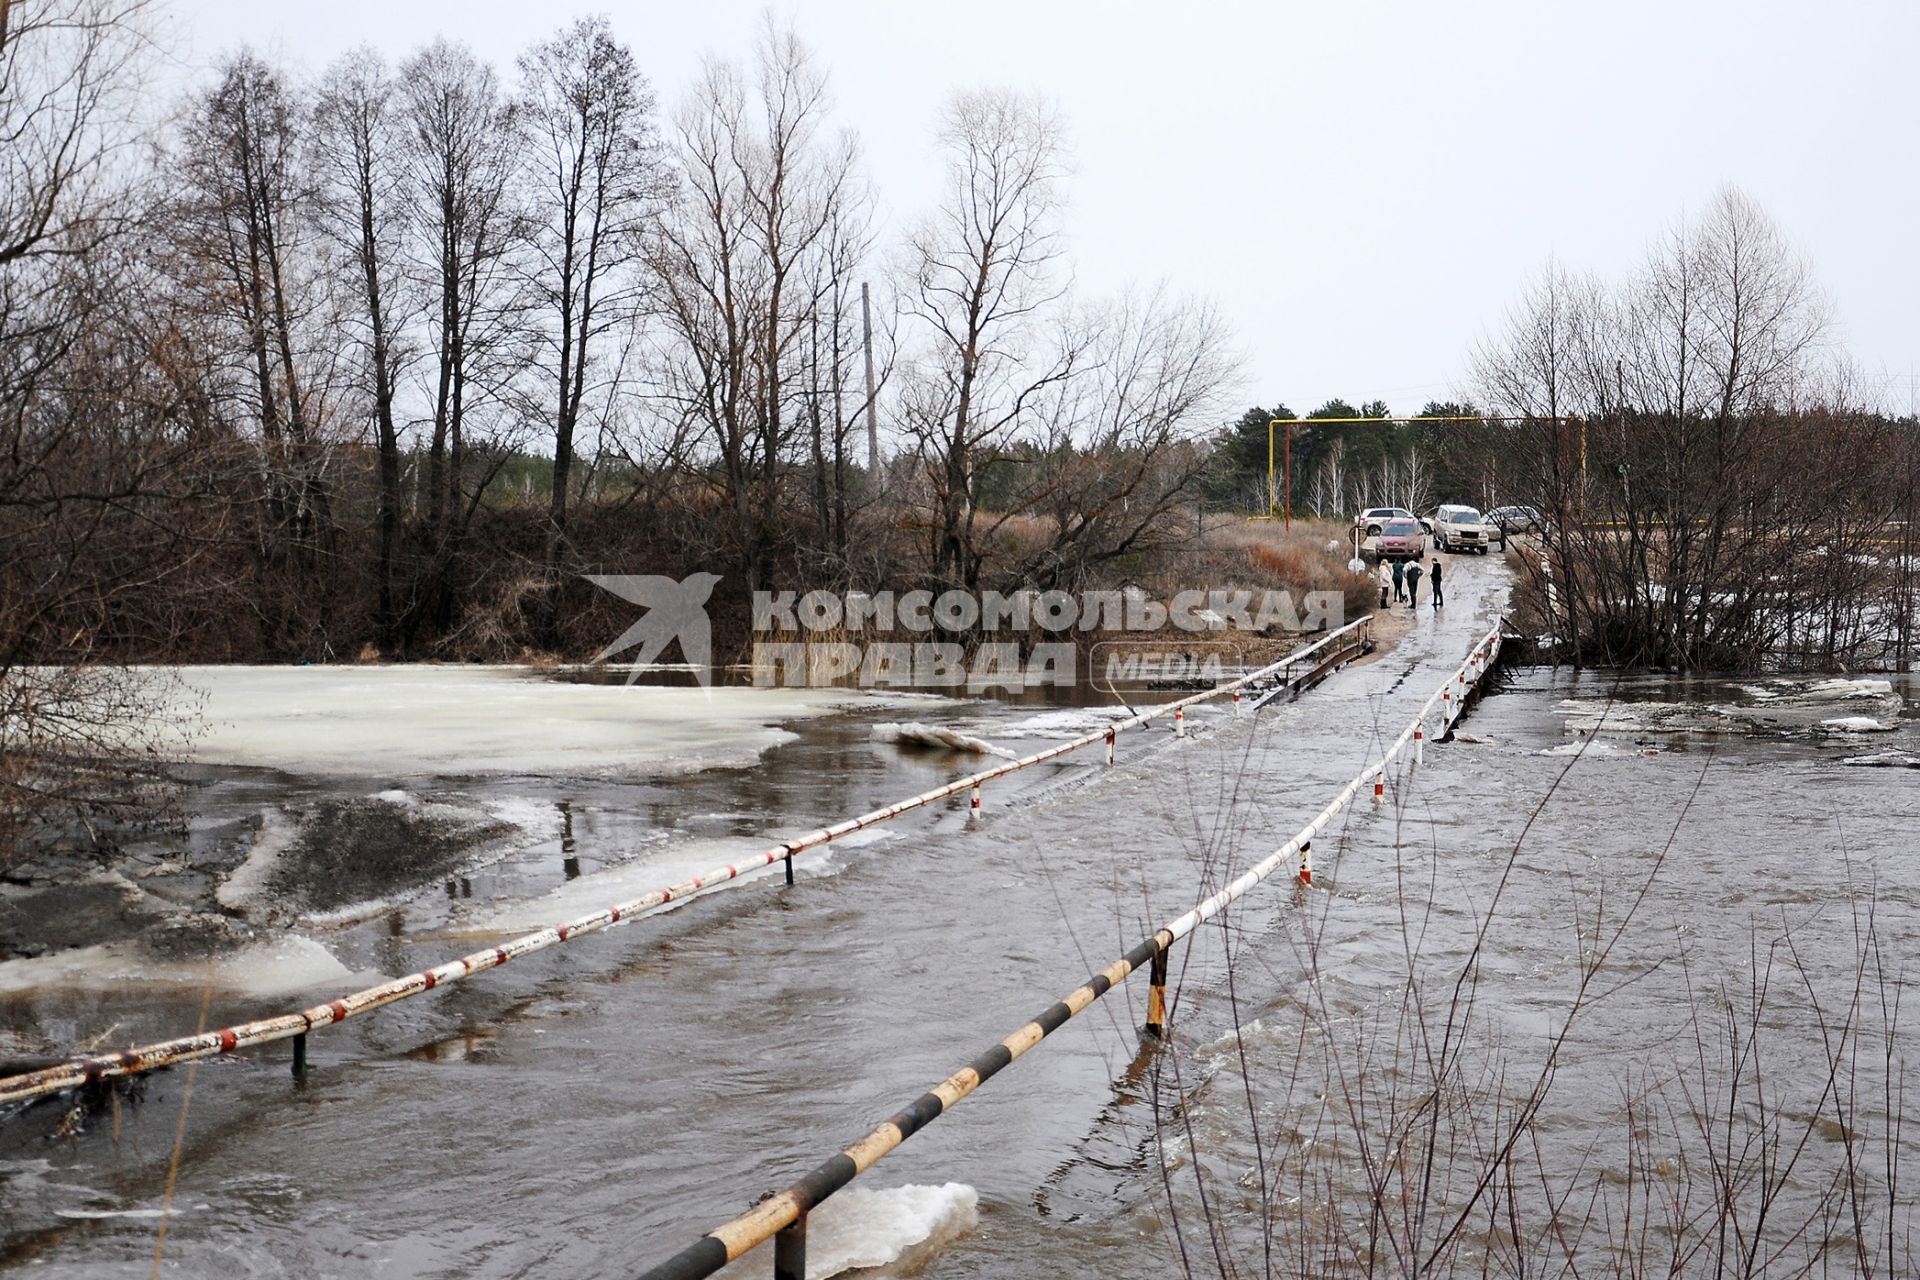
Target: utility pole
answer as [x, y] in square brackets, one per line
[873, 421]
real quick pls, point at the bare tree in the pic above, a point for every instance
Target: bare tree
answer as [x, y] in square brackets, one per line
[244, 218]
[752, 261]
[1117, 441]
[362, 210]
[103, 425]
[462, 153]
[592, 171]
[982, 272]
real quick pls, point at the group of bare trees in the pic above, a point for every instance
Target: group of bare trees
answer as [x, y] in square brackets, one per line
[1718, 497]
[381, 290]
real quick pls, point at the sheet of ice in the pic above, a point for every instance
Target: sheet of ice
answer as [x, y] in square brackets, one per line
[898, 1228]
[1884, 760]
[459, 721]
[1588, 750]
[281, 967]
[1068, 722]
[915, 734]
[599, 889]
[668, 867]
[1855, 724]
[1837, 689]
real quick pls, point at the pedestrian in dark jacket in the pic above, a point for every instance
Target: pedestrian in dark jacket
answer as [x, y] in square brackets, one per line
[1413, 583]
[1399, 581]
[1439, 597]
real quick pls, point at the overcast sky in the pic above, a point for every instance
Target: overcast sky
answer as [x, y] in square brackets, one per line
[1363, 187]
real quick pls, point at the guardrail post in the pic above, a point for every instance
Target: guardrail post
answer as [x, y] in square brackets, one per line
[789, 866]
[1111, 735]
[790, 1251]
[973, 806]
[1157, 996]
[300, 1056]
[1236, 704]
[1420, 740]
[1179, 722]
[1306, 862]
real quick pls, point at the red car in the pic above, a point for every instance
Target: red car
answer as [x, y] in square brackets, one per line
[1401, 540]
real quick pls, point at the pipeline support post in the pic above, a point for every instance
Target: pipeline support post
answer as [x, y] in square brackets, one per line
[790, 1251]
[1157, 995]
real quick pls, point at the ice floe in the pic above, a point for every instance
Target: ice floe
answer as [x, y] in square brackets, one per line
[462, 721]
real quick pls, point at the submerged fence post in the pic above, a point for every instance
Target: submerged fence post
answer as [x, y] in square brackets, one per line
[1157, 995]
[790, 1251]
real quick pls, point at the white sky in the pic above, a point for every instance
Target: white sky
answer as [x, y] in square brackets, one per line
[1363, 187]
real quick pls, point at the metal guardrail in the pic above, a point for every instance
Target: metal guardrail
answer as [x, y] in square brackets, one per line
[783, 1217]
[1346, 641]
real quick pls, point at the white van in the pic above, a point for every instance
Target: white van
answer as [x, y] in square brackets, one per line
[1457, 529]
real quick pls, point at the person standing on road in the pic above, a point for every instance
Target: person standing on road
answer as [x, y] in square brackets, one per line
[1399, 581]
[1413, 583]
[1439, 597]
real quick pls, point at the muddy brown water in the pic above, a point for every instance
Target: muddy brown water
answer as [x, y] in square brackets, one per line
[592, 1108]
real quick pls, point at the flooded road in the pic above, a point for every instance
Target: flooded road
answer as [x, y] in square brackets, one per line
[593, 1108]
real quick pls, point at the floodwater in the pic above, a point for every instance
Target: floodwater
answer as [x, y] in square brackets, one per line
[593, 1108]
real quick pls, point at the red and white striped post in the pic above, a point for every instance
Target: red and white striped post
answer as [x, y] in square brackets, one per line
[1179, 722]
[1306, 862]
[1111, 735]
[1380, 786]
[1236, 704]
[973, 806]
[1419, 742]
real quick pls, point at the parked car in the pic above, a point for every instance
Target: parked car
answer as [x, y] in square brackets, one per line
[1459, 529]
[1374, 519]
[1402, 538]
[1515, 519]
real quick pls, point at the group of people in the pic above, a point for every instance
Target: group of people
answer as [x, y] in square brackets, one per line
[1406, 575]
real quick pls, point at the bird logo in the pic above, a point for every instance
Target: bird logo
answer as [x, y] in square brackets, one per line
[675, 611]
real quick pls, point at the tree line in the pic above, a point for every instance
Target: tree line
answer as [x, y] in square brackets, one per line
[384, 359]
[283, 375]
